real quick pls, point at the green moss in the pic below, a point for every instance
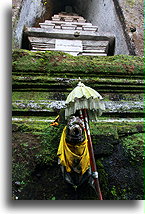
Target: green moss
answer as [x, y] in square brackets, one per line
[134, 146]
[108, 129]
[51, 62]
[49, 145]
[24, 152]
[115, 129]
[103, 178]
[118, 193]
[48, 135]
[114, 192]
[20, 173]
[34, 144]
[33, 126]
[49, 82]
[34, 95]
[45, 95]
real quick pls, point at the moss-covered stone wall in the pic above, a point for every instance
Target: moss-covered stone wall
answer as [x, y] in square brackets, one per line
[52, 62]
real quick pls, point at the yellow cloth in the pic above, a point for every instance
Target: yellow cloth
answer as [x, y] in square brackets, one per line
[74, 157]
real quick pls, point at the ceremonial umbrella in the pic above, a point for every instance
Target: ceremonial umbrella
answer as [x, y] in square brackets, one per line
[83, 97]
[89, 104]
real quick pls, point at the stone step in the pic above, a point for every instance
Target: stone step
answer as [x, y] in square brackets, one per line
[45, 85]
[41, 113]
[93, 51]
[41, 40]
[74, 53]
[47, 22]
[39, 77]
[43, 25]
[68, 17]
[56, 16]
[43, 47]
[110, 106]
[57, 27]
[92, 54]
[43, 44]
[52, 107]
[64, 15]
[86, 44]
[55, 19]
[101, 48]
[19, 83]
[111, 120]
[67, 26]
[94, 42]
[90, 28]
[126, 78]
[68, 34]
[55, 96]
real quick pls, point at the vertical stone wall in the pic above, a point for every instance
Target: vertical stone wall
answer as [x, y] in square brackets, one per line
[27, 12]
[31, 13]
[133, 13]
[103, 14]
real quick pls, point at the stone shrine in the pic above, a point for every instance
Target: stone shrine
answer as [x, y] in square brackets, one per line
[71, 34]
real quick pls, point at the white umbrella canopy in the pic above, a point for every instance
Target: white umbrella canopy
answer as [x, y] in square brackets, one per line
[84, 97]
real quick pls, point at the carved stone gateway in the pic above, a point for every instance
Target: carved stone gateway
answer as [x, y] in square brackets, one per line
[70, 34]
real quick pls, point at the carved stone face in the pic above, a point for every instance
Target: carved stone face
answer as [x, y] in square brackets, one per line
[75, 131]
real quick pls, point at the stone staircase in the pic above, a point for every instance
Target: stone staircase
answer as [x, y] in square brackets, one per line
[70, 33]
[42, 93]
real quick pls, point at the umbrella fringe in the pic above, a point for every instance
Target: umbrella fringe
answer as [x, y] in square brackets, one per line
[94, 106]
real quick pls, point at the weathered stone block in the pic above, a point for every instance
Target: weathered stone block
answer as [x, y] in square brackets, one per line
[68, 45]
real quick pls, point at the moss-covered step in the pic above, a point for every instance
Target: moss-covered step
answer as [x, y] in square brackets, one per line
[38, 96]
[49, 85]
[51, 62]
[116, 128]
[71, 75]
[118, 150]
[73, 81]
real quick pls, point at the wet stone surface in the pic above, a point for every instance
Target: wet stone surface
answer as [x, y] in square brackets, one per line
[111, 106]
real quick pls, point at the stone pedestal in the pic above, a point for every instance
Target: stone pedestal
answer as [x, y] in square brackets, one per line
[70, 34]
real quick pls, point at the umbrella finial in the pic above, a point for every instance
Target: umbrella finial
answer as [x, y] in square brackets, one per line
[79, 79]
[79, 82]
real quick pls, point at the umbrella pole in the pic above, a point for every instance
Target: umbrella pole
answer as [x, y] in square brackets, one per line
[83, 115]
